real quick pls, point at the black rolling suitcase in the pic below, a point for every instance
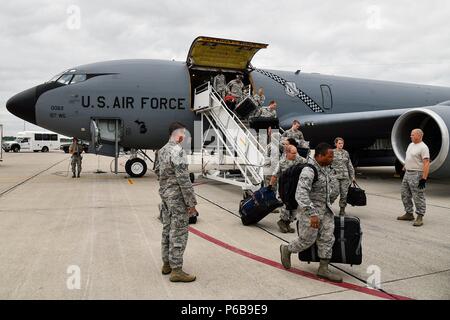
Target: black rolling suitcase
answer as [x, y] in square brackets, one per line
[255, 207]
[356, 196]
[347, 247]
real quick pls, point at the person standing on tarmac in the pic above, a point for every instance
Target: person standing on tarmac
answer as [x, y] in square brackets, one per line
[76, 149]
[343, 171]
[292, 158]
[417, 167]
[315, 222]
[178, 203]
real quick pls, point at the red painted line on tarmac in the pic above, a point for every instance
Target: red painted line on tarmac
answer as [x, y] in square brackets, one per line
[299, 272]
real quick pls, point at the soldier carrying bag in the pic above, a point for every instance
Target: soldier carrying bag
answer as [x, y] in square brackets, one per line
[356, 196]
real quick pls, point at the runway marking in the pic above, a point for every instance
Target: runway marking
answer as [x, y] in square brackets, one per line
[299, 272]
[130, 181]
[29, 178]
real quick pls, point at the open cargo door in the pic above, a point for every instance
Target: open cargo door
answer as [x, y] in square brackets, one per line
[215, 53]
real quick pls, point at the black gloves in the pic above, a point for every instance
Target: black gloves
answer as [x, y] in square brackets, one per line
[422, 184]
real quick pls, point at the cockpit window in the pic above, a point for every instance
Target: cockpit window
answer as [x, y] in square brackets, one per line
[65, 78]
[55, 77]
[78, 78]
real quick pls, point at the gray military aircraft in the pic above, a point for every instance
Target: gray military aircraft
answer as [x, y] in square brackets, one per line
[132, 102]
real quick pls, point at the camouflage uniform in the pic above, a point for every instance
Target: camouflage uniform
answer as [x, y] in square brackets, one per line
[315, 200]
[343, 173]
[410, 191]
[177, 194]
[235, 88]
[283, 165]
[266, 113]
[272, 158]
[220, 84]
[295, 134]
[259, 100]
[76, 150]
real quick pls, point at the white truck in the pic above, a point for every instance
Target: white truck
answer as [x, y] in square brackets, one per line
[34, 141]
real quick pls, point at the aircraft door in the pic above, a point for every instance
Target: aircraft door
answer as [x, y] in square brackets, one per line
[106, 134]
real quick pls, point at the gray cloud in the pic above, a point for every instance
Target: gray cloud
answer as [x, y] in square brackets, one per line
[390, 40]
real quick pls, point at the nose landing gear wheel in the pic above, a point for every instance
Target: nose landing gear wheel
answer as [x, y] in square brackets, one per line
[136, 167]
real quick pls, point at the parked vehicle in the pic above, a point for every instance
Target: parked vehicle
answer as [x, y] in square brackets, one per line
[34, 141]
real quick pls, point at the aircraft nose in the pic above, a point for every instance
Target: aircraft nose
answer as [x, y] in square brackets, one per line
[23, 105]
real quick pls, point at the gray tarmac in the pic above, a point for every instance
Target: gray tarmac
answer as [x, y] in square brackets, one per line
[98, 237]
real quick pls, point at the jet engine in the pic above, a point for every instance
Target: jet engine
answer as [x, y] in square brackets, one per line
[435, 123]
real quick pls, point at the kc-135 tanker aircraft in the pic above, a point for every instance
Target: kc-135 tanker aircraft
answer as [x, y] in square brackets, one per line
[142, 97]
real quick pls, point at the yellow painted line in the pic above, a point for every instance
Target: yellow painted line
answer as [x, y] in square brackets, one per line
[130, 181]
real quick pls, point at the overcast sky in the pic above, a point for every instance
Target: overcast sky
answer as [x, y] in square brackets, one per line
[388, 40]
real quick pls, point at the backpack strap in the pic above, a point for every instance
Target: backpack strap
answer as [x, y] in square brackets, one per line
[316, 175]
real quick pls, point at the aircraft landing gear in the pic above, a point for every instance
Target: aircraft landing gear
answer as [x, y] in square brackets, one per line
[135, 167]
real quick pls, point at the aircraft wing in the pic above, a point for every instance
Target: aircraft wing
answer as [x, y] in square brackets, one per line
[355, 126]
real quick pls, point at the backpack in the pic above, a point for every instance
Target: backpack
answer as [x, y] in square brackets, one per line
[287, 185]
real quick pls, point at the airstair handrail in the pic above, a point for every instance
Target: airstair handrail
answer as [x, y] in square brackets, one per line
[249, 135]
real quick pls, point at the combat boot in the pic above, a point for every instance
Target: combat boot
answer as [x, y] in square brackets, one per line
[166, 269]
[406, 217]
[78, 175]
[73, 175]
[178, 275]
[285, 256]
[325, 273]
[282, 226]
[419, 221]
[342, 211]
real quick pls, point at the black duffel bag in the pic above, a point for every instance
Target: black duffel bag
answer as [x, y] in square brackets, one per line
[356, 196]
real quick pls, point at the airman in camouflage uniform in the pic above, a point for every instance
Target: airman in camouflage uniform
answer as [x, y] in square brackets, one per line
[235, 88]
[417, 167]
[178, 203]
[292, 158]
[259, 97]
[76, 149]
[267, 112]
[219, 83]
[343, 171]
[272, 158]
[294, 132]
[315, 217]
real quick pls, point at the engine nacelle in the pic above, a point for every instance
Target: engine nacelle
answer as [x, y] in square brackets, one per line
[435, 123]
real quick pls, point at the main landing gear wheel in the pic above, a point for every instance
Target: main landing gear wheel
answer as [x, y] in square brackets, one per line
[136, 167]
